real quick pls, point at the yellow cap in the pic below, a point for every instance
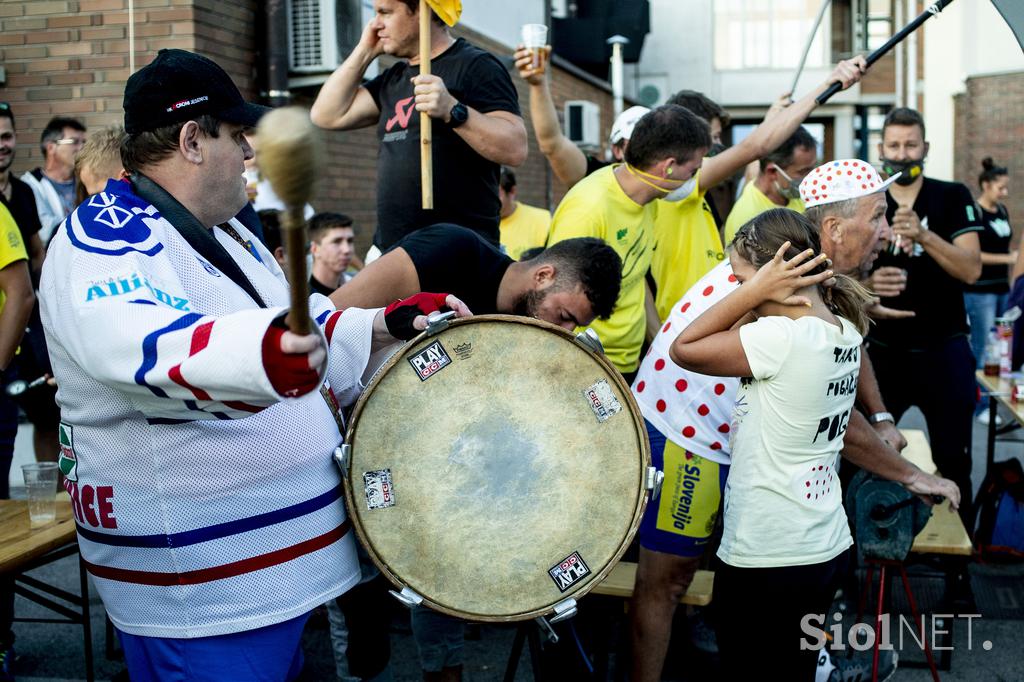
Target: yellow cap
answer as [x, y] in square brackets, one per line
[448, 10]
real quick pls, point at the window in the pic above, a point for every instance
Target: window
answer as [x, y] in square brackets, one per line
[868, 130]
[877, 23]
[768, 34]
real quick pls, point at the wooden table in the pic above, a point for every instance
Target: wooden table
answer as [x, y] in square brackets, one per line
[20, 544]
[23, 548]
[998, 390]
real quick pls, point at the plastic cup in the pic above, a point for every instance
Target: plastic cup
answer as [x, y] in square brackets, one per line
[41, 482]
[535, 39]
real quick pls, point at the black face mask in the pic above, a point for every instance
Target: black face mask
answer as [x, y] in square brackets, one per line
[910, 170]
[716, 148]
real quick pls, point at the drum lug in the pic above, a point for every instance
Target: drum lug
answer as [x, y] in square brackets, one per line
[437, 322]
[342, 456]
[408, 597]
[546, 629]
[564, 610]
[654, 480]
[590, 340]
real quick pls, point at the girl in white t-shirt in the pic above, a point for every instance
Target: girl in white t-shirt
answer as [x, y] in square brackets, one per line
[793, 331]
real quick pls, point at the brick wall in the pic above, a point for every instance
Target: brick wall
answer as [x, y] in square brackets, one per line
[988, 122]
[70, 57]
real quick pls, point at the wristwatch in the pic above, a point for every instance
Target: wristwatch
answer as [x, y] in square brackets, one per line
[879, 417]
[458, 115]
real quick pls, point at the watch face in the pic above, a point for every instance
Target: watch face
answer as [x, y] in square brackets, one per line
[459, 114]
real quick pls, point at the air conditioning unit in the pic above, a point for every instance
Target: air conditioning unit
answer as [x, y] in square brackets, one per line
[583, 123]
[312, 40]
[321, 33]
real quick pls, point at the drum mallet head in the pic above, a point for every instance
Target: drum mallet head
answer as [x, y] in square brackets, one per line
[291, 157]
[290, 154]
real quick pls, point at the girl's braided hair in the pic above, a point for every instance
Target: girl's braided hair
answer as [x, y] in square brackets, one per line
[760, 238]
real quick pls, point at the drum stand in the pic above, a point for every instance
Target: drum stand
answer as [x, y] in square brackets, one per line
[527, 631]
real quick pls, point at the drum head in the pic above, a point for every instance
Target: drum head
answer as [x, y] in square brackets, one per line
[496, 468]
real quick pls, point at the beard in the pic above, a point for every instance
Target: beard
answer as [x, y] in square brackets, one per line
[528, 303]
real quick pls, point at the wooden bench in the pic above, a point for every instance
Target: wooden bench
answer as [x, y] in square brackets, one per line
[945, 532]
[620, 581]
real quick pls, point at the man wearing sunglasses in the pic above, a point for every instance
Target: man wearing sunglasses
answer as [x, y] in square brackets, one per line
[54, 183]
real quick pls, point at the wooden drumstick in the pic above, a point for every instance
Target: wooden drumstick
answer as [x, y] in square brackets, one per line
[426, 132]
[291, 157]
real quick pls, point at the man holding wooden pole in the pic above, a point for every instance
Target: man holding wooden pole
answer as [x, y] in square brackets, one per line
[469, 120]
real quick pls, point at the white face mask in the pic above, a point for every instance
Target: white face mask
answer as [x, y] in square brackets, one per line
[684, 190]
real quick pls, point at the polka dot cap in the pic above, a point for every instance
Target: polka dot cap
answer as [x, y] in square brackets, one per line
[841, 180]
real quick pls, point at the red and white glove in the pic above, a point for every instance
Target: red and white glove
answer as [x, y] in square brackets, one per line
[400, 315]
[292, 362]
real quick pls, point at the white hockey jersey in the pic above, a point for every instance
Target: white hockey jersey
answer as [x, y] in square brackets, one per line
[206, 503]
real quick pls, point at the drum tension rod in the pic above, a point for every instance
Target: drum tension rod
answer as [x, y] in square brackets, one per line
[437, 322]
[546, 629]
[590, 340]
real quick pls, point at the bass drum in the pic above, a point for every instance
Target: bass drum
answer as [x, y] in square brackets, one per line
[497, 469]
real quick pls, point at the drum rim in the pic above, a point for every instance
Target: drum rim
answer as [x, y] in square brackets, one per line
[639, 507]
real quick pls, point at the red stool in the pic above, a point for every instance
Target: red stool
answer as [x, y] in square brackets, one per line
[882, 565]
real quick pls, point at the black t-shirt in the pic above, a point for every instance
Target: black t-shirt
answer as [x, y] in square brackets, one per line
[995, 238]
[453, 260]
[595, 164]
[22, 206]
[948, 210]
[465, 183]
[317, 287]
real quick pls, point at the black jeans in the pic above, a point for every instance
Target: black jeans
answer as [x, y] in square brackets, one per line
[368, 619]
[940, 382]
[759, 617]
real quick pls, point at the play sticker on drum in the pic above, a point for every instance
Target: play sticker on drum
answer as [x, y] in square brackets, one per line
[570, 571]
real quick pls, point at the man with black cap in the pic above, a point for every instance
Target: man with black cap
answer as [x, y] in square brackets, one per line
[195, 442]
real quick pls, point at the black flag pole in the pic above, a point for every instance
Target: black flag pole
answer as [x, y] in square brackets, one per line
[927, 14]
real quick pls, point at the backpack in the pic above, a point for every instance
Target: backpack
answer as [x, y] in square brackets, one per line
[1000, 512]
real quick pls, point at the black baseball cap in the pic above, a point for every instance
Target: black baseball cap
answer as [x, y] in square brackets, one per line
[180, 86]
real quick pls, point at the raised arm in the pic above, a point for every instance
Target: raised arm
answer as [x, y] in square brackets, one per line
[342, 103]
[776, 127]
[711, 344]
[567, 161]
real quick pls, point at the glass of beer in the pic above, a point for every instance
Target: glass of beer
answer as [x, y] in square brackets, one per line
[535, 39]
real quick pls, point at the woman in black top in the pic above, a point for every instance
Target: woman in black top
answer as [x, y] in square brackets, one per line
[986, 298]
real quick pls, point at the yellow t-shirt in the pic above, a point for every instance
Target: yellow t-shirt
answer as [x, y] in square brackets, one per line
[598, 207]
[525, 229]
[11, 247]
[753, 202]
[686, 247]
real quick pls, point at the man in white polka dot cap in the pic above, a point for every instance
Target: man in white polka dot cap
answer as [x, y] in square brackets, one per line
[689, 415]
[846, 200]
